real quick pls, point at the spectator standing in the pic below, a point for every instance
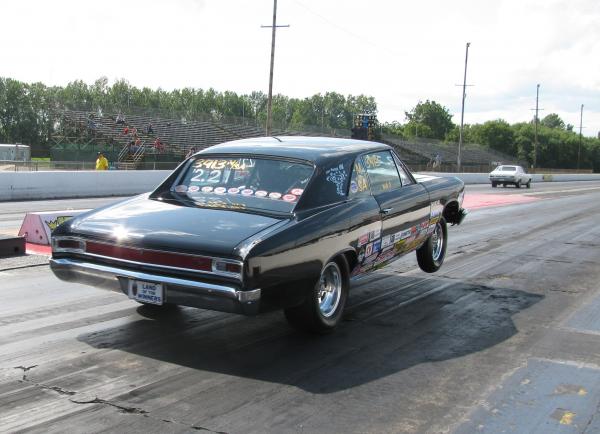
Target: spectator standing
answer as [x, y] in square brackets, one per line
[126, 130]
[158, 145]
[101, 162]
[191, 152]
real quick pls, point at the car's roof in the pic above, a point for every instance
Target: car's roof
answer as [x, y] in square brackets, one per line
[315, 149]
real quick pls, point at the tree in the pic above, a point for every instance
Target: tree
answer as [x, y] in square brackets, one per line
[497, 135]
[553, 121]
[432, 118]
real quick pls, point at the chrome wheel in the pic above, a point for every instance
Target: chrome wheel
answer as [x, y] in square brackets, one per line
[330, 289]
[437, 241]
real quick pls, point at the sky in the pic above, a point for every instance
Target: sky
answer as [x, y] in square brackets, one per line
[400, 52]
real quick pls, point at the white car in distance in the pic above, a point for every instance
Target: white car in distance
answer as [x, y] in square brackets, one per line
[510, 175]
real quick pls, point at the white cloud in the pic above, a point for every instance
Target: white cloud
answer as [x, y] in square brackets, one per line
[399, 52]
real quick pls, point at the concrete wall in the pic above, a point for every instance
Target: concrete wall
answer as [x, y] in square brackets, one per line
[55, 185]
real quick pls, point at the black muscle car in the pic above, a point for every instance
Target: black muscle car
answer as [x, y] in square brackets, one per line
[252, 225]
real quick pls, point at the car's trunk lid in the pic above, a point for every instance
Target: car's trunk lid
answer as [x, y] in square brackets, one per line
[153, 224]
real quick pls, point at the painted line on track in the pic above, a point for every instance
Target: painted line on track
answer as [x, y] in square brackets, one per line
[483, 200]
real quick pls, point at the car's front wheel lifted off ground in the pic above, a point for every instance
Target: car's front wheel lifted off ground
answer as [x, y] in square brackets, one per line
[430, 255]
[324, 304]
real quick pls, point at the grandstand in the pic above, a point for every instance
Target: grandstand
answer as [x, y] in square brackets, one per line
[82, 133]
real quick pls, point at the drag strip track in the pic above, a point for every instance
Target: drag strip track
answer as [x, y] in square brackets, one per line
[416, 352]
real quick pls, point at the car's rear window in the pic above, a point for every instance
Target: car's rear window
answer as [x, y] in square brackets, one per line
[244, 183]
[508, 168]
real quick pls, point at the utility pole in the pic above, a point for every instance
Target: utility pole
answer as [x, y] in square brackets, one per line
[462, 110]
[580, 137]
[535, 121]
[270, 98]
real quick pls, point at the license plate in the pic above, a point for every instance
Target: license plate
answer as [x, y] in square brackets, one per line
[146, 292]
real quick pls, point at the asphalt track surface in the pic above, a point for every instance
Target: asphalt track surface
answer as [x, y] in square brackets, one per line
[504, 338]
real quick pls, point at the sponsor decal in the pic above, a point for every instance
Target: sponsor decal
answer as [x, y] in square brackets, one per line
[289, 197]
[275, 195]
[386, 241]
[247, 192]
[373, 235]
[193, 189]
[353, 187]
[260, 193]
[181, 188]
[220, 190]
[363, 239]
[207, 189]
[424, 225]
[370, 259]
[369, 249]
[297, 191]
[402, 235]
[233, 190]
[377, 246]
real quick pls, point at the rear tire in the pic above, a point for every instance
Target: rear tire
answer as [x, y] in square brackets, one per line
[494, 185]
[528, 185]
[430, 255]
[324, 304]
[518, 184]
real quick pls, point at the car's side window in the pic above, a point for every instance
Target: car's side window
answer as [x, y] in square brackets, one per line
[383, 174]
[359, 182]
[404, 177]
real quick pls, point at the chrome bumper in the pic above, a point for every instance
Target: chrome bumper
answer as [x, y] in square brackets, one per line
[183, 292]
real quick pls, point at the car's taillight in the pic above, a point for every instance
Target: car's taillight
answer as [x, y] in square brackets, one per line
[229, 267]
[68, 244]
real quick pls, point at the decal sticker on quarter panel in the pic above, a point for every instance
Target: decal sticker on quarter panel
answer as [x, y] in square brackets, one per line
[369, 249]
[386, 241]
[377, 246]
[363, 239]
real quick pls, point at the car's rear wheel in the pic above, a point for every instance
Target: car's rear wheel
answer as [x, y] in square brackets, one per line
[324, 304]
[494, 184]
[518, 184]
[528, 185]
[430, 255]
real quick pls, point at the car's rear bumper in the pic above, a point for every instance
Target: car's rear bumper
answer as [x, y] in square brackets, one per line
[179, 291]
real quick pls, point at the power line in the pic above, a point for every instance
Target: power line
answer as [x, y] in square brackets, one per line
[349, 32]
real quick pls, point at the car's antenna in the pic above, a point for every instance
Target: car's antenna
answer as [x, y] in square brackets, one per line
[277, 138]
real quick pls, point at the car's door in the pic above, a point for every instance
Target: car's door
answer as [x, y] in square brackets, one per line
[404, 204]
